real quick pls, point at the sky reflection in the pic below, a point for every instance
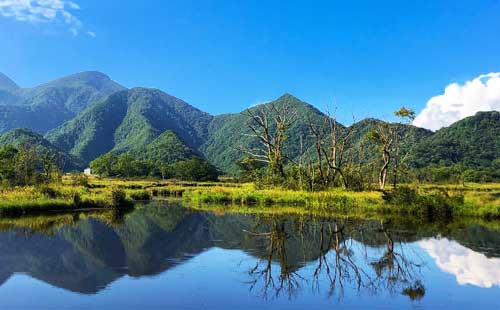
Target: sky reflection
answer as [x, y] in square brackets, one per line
[467, 266]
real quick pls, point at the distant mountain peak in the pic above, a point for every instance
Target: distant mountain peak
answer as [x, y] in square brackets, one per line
[297, 103]
[95, 79]
[7, 84]
[287, 95]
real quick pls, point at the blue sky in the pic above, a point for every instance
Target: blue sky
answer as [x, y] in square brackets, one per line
[367, 57]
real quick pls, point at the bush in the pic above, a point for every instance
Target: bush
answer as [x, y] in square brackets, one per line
[118, 197]
[48, 192]
[435, 204]
[402, 196]
[77, 200]
[79, 179]
[140, 195]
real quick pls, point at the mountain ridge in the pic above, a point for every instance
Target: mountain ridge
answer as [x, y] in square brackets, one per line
[102, 116]
[130, 119]
[46, 106]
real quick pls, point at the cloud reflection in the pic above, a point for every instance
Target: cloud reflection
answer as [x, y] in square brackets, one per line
[469, 267]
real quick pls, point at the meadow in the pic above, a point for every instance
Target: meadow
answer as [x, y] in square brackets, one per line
[428, 200]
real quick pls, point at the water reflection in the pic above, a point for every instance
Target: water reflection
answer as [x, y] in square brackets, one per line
[291, 255]
[339, 260]
[467, 266]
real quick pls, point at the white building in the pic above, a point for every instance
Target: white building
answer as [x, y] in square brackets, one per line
[87, 171]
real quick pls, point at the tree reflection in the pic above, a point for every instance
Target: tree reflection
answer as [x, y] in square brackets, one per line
[339, 268]
[288, 281]
[337, 261]
[394, 268]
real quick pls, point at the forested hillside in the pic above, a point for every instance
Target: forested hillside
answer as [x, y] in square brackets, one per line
[24, 138]
[230, 133]
[47, 106]
[128, 120]
[472, 142]
[167, 148]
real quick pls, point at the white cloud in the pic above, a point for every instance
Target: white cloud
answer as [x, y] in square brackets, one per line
[467, 266]
[42, 11]
[91, 34]
[259, 103]
[460, 101]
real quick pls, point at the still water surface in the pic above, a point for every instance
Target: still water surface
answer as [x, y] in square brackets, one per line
[165, 256]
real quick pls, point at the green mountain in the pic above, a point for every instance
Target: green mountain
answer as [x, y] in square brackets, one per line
[229, 132]
[167, 148]
[87, 115]
[129, 120]
[26, 137]
[472, 142]
[367, 151]
[47, 106]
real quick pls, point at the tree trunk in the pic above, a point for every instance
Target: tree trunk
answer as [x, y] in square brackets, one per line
[385, 167]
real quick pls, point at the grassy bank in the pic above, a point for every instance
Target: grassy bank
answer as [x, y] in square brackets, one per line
[429, 201]
[92, 194]
[477, 200]
[59, 197]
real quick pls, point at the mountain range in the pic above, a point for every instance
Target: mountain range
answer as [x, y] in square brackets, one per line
[86, 115]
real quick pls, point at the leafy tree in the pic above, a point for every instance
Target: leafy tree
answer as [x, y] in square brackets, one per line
[250, 169]
[8, 155]
[104, 165]
[25, 166]
[195, 169]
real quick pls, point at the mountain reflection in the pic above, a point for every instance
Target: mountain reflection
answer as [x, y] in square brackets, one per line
[85, 253]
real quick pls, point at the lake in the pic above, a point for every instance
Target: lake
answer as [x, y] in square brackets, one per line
[163, 255]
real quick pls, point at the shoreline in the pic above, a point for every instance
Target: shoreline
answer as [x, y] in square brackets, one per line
[424, 201]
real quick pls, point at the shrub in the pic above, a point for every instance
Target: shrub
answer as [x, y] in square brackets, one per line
[140, 195]
[77, 200]
[79, 179]
[437, 203]
[48, 192]
[118, 197]
[402, 196]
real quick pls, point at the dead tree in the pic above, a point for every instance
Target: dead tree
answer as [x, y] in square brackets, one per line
[340, 267]
[269, 124]
[384, 135]
[388, 137]
[394, 269]
[288, 280]
[331, 142]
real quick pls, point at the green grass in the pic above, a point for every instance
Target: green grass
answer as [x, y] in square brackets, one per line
[425, 201]
[59, 197]
[443, 201]
[248, 195]
[99, 194]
